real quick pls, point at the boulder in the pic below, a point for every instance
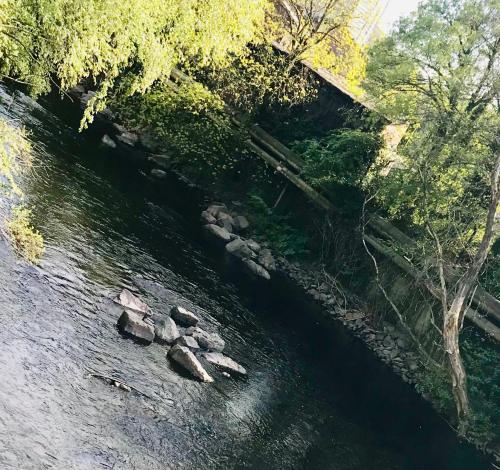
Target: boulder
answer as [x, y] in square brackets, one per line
[130, 301]
[206, 340]
[256, 269]
[208, 218]
[128, 138]
[189, 342]
[108, 141]
[239, 248]
[253, 245]
[166, 331]
[225, 220]
[215, 209]
[77, 90]
[131, 323]
[266, 259]
[224, 362]
[218, 232]
[121, 129]
[185, 358]
[86, 97]
[183, 316]
[240, 223]
[157, 173]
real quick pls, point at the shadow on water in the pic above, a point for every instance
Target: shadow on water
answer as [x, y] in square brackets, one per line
[314, 398]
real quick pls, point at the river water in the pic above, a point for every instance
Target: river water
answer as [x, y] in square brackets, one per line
[314, 398]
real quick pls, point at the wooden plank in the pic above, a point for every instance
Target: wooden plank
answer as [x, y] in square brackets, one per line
[292, 177]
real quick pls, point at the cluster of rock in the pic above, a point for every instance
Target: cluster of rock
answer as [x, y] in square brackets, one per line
[391, 345]
[227, 228]
[180, 332]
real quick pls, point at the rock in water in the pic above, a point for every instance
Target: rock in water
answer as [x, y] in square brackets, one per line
[166, 331]
[108, 141]
[240, 249]
[218, 232]
[240, 223]
[214, 209]
[132, 324]
[224, 362]
[185, 358]
[157, 173]
[256, 269]
[208, 218]
[206, 340]
[189, 342]
[130, 301]
[266, 260]
[128, 138]
[184, 317]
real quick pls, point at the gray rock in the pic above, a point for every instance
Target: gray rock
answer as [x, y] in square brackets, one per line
[215, 209]
[208, 218]
[224, 362]
[157, 173]
[256, 269]
[206, 340]
[185, 358]
[225, 220]
[183, 316]
[77, 90]
[86, 97]
[130, 301]
[189, 342]
[218, 232]
[253, 245]
[121, 129]
[128, 138]
[266, 259]
[108, 141]
[149, 141]
[132, 324]
[239, 248]
[166, 331]
[240, 223]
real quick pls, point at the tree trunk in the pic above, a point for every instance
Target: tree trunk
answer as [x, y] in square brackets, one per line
[451, 333]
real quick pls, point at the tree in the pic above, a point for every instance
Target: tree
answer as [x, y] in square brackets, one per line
[438, 72]
[47, 42]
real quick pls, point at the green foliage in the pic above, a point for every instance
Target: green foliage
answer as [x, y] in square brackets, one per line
[438, 72]
[15, 156]
[26, 240]
[343, 157]
[107, 39]
[276, 228]
[190, 121]
[261, 78]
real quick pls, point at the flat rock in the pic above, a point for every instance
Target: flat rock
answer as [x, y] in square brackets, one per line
[189, 342]
[253, 245]
[256, 269]
[166, 331]
[224, 362]
[215, 209]
[183, 316]
[266, 260]
[157, 173]
[128, 138]
[208, 218]
[132, 324]
[108, 141]
[240, 223]
[185, 358]
[206, 340]
[132, 302]
[218, 232]
[239, 248]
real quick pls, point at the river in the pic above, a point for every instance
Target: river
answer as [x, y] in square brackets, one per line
[314, 398]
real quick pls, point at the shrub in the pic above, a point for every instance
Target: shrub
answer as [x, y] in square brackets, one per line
[26, 240]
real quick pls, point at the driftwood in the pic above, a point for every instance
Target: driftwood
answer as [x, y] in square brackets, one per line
[118, 383]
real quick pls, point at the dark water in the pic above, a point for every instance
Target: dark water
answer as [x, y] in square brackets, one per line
[314, 398]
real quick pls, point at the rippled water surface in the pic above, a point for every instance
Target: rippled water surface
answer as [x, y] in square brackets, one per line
[314, 399]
